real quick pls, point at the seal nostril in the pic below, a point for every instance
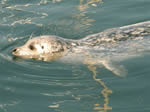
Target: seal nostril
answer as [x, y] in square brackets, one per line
[14, 50]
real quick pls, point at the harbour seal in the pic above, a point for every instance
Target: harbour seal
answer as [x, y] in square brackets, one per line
[45, 48]
[50, 47]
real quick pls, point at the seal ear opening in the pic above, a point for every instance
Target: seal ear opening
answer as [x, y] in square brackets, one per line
[42, 47]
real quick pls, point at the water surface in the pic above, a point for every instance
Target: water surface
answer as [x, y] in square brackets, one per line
[34, 86]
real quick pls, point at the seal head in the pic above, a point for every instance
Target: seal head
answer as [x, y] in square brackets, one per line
[45, 48]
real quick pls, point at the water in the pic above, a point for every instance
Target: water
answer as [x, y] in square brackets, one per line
[34, 86]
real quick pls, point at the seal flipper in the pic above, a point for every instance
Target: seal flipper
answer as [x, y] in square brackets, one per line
[117, 69]
[112, 66]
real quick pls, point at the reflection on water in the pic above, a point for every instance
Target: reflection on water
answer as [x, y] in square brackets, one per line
[85, 4]
[47, 1]
[105, 92]
[83, 20]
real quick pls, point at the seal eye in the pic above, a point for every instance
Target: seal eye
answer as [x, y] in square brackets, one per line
[31, 47]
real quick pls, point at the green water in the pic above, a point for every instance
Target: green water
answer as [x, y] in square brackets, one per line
[34, 86]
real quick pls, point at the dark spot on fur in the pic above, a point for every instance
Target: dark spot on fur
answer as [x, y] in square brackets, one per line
[58, 46]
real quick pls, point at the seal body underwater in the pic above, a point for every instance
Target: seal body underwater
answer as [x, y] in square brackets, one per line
[112, 42]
